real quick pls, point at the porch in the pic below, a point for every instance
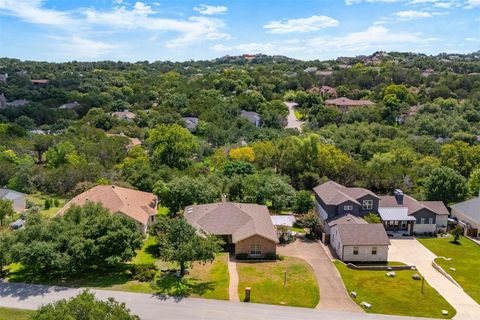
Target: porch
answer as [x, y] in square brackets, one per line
[397, 221]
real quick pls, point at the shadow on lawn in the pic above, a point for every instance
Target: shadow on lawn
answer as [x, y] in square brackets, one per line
[179, 288]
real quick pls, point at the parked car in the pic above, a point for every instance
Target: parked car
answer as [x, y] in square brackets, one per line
[18, 224]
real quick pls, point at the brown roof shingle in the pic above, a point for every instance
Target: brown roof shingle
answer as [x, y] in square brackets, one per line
[240, 220]
[135, 204]
[348, 102]
[333, 193]
[437, 207]
[363, 234]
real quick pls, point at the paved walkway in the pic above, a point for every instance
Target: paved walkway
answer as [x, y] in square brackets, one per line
[333, 295]
[233, 284]
[292, 121]
[152, 307]
[412, 252]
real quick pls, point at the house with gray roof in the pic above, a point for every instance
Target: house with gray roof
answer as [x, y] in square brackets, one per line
[191, 123]
[245, 228]
[468, 216]
[124, 115]
[404, 214]
[251, 116]
[70, 105]
[19, 200]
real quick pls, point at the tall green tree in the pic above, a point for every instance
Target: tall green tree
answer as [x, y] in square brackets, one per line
[182, 243]
[446, 185]
[6, 209]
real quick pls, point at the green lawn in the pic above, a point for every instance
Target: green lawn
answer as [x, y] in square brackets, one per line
[465, 259]
[400, 295]
[38, 199]
[208, 280]
[14, 314]
[266, 282]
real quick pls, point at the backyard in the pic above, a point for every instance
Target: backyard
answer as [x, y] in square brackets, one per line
[399, 295]
[465, 259]
[38, 200]
[208, 280]
[266, 281]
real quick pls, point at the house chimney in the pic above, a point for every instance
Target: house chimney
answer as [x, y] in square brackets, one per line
[398, 196]
[224, 197]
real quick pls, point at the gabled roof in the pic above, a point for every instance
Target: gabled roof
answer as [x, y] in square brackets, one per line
[135, 204]
[240, 220]
[395, 214]
[250, 115]
[124, 114]
[345, 219]
[363, 234]
[333, 193]
[10, 194]
[469, 208]
[412, 205]
[349, 102]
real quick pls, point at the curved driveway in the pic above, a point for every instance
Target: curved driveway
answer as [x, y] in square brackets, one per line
[333, 295]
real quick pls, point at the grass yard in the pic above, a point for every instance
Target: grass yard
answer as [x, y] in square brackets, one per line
[15, 314]
[465, 259]
[38, 199]
[266, 281]
[400, 295]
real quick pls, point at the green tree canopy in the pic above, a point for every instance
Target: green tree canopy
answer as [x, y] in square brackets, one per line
[446, 185]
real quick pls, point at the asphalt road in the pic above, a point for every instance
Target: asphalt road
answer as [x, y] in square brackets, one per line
[152, 307]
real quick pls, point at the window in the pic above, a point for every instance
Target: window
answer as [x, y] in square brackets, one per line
[422, 221]
[255, 250]
[355, 251]
[347, 208]
[367, 204]
[374, 250]
[430, 220]
[152, 218]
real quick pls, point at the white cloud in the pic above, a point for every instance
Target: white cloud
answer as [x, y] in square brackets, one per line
[80, 47]
[32, 11]
[412, 14]
[210, 10]
[473, 3]
[301, 25]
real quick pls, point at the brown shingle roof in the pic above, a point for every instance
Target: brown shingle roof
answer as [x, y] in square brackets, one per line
[348, 102]
[135, 204]
[363, 234]
[240, 220]
[345, 219]
[413, 205]
[333, 193]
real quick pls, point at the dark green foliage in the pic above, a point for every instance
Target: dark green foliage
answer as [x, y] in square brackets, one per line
[446, 185]
[84, 307]
[83, 238]
[303, 202]
[372, 218]
[144, 272]
[457, 232]
[310, 221]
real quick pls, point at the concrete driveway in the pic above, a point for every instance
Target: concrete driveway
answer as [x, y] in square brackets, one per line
[292, 121]
[333, 295]
[412, 252]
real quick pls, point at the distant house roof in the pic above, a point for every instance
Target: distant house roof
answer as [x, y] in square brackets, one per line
[310, 69]
[135, 204]
[240, 220]
[348, 102]
[333, 193]
[363, 234]
[10, 194]
[395, 214]
[251, 116]
[346, 218]
[70, 105]
[3, 77]
[190, 123]
[3, 100]
[17, 103]
[469, 208]
[283, 220]
[412, 205]
[38, 131]
[132, 142]
[324, 73]
[39, 81]
[126, 115]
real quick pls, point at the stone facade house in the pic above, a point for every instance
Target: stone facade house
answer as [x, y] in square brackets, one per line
[139, 206]
[245, 228]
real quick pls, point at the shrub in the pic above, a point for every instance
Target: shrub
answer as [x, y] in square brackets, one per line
[241, 256]
[56, 203]
[144, 272]
[47, 204]
[271, 256]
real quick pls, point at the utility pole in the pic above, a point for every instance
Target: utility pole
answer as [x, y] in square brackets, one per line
[423, 281]
[284, 279]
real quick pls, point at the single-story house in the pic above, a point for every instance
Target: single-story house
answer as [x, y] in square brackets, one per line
[247, 228]
[344, 104]
[402, 213]
[468, 216]
[19, 200]
[70, 105]
[124, 115]
[139, 206]
[251, 116]
[360, 242]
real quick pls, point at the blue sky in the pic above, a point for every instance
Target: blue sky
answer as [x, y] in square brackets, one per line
[61, 30]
